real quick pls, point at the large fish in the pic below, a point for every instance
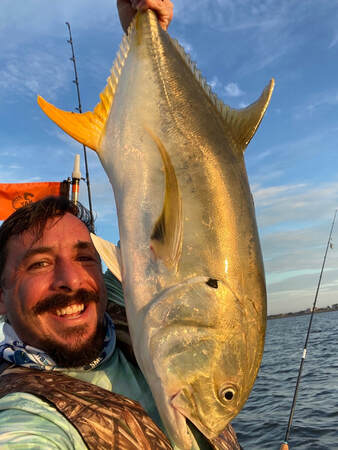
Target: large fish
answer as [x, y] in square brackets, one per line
[191, 263]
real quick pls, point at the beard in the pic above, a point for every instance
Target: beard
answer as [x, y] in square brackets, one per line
[80, 352]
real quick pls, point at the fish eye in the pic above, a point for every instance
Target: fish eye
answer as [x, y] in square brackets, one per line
[227, 394]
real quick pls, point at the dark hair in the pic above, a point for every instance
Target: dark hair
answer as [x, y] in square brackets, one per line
[34, 217]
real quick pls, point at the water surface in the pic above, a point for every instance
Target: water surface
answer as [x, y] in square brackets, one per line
[263, 421]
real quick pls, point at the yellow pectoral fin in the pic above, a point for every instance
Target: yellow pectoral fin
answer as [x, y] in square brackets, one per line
[167, 235]
[86, 128]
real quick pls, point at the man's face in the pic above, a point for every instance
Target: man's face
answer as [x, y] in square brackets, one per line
[53, 291]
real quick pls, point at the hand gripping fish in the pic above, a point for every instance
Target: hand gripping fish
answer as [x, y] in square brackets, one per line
[190, 260]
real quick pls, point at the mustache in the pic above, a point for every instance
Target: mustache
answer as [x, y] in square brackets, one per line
[58, 301]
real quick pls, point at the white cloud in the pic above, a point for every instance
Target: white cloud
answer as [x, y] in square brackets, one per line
[64, 137]
[35, 16]
[294, 222]
[295, 202]
[31, 73]
[233, 90]
[272, 29]
[264, 154]
[187, 47]
[214, 83]
[334, 41]
[230, 90]
[268, 195]
[243, 105]
[315, 102]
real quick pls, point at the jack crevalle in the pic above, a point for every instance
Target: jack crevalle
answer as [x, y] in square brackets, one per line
[190, 260]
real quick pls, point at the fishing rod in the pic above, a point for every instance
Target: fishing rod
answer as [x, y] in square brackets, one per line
[285, 445]
[79, 108]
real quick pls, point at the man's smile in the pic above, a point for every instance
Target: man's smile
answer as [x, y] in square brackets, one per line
[69, 318]
[70, 310]
[62, 304]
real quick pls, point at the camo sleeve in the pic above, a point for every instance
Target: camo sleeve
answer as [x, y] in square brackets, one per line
[28, 422]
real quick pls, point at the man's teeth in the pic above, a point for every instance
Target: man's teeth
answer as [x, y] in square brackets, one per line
[70, 310]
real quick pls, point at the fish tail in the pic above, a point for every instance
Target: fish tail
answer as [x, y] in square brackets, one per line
[88, 128]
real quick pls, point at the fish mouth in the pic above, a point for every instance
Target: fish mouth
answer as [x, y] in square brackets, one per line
[181, 416]
[182, 429]
[191, 426]
[177, 426]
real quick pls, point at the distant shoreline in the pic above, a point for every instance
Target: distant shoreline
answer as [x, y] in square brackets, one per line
[303, 313]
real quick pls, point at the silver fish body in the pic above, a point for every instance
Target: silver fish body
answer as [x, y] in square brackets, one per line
[191, 263]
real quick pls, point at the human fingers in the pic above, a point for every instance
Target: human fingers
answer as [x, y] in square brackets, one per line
[164, 9]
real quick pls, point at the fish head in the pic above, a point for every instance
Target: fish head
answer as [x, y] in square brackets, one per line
[211, 402]
[207, 356]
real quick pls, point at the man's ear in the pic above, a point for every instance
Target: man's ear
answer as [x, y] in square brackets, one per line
[3, 309]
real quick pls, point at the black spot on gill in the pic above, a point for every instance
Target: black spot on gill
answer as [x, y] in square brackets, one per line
[212, 283]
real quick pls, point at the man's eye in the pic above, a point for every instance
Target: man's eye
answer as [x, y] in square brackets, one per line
[38, 265]
[86, 258]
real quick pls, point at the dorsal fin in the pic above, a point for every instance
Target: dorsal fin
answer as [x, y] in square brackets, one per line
[166, 238]
[241, 123]
[88, 128]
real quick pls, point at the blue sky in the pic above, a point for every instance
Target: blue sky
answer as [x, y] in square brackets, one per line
[238, 46]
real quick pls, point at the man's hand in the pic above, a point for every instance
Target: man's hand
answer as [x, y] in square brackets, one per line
[128, 8]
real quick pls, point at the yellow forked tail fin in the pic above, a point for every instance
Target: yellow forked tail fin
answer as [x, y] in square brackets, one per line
[88, 128]
[85, 128]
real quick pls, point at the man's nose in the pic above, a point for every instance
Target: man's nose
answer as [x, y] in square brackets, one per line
[68, 276]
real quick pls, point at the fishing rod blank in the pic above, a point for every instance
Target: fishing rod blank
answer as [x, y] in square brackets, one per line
[79, 108]
[284, 445]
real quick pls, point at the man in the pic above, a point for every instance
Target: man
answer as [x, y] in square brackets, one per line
[54, 298]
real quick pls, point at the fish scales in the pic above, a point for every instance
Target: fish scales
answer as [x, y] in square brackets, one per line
[191, 264]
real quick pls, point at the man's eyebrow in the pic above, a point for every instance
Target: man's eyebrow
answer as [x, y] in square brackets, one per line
[35, 251]
[80, 245]
[83, 245]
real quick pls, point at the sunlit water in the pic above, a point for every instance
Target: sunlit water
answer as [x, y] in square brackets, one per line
[263, 421]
